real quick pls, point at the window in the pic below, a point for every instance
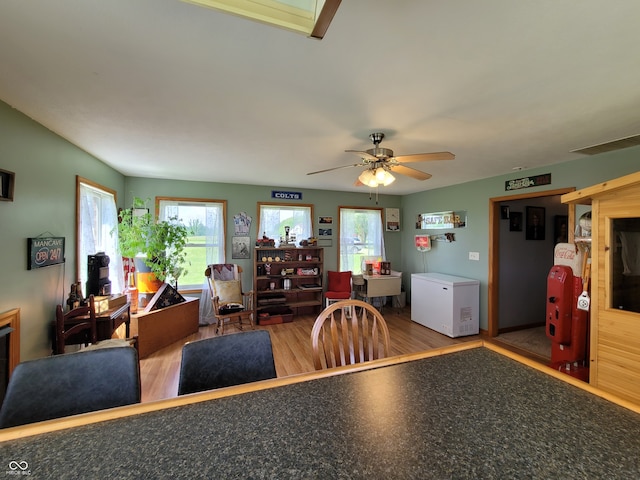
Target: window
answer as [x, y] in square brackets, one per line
[272, 220]
[361, 238]
[205, 221]
[97, 216]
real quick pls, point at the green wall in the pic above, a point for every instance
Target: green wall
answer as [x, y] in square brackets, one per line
[46, 166]
[453, 258]
[244, 198]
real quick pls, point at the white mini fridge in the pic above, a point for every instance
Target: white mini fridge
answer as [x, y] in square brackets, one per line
[446, 303]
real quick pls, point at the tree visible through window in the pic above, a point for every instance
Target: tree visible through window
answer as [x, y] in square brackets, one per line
[361, 238]
[205, 221]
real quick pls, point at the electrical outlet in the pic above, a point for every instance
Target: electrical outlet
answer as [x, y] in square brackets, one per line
[474, 255]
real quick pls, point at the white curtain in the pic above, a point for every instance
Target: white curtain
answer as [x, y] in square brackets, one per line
[365, 225]
[273, 219]
[209, 216]
[98, 216]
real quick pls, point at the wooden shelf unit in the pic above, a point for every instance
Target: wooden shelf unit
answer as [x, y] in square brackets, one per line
[300, 300]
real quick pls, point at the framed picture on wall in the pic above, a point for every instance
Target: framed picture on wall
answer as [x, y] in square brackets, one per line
[535, 223]
[240, 247]
[560, 229]
[515, 221]
[392, 219]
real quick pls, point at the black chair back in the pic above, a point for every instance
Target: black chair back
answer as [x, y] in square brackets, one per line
[69, 384]
[227, 360]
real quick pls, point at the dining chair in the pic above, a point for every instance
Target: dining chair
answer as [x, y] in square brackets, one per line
[70, 384]
[223, 361]
[338, 287]
[230, 303]
[79, 326]
[348, 332]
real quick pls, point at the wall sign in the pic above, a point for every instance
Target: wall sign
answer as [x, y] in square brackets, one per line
[44, 251]
[286, 195]
[528, 182]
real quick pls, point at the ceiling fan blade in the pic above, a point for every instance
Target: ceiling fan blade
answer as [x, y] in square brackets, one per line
[424, 157]
[335, 168]
[410, 172]
[363, 155]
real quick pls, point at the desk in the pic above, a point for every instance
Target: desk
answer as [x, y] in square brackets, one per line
[381, 286]
[468, 412]
[107, 323]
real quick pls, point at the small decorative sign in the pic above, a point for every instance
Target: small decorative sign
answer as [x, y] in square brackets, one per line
[528, 182]
[438, 220]
[44, 251]
[286, 195]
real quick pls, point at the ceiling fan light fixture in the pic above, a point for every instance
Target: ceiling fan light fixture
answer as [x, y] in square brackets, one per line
[368, 178]
[388, 178]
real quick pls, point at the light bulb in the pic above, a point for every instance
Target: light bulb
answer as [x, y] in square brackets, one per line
[368, 178]
[389, 179]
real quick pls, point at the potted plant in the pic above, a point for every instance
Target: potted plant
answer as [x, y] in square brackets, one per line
[160, 246]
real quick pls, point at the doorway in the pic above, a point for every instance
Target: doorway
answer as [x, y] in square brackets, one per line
[495, 216]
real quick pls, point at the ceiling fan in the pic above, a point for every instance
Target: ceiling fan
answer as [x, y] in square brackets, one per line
[380, 162]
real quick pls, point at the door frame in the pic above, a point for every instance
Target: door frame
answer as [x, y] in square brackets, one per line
[494, 247]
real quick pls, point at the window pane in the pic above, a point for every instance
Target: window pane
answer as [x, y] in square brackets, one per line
[361, 238]
[274, 219]
[98, 217]
[205, 244]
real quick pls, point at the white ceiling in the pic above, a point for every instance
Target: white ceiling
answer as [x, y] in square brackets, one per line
[167, 89]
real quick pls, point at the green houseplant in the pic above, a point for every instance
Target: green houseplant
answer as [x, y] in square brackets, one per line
[160, 245]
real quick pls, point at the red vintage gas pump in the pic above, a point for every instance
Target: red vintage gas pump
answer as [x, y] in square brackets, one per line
[567, 325]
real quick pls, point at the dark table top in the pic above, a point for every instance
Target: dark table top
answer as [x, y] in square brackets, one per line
[469, 414]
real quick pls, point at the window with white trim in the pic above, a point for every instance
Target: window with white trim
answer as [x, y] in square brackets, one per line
[205, 222]
[273, 218]
[361, 238]
[97, 216]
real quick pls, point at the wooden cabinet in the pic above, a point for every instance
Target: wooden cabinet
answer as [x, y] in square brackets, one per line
[288, 277]
[614, 364]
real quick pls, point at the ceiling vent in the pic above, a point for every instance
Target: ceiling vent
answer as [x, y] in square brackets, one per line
[632, 141]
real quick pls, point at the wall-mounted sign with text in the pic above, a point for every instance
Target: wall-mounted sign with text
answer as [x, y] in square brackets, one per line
[286, 195]
[528, 182]
[44, 251]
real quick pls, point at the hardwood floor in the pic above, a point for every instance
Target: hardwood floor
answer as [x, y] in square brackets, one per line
[291, 349]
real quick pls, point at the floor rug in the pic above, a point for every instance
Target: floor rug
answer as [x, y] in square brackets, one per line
[532, 339]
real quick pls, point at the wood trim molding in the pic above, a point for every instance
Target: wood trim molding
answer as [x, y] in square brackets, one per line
[493, 279]
[11, 319]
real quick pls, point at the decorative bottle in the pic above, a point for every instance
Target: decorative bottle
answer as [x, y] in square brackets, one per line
[72, 300]
[132, 293]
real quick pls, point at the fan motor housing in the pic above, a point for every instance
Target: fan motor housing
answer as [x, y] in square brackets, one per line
[380, 152]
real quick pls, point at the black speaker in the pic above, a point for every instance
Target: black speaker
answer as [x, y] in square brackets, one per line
[98, 274]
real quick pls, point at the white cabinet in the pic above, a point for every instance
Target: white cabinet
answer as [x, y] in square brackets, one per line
[446, 303]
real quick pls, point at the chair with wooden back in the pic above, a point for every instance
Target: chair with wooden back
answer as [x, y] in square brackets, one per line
[77, 326]
[230, 302]
[227, 360]
[70, 384]
[348, 332]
